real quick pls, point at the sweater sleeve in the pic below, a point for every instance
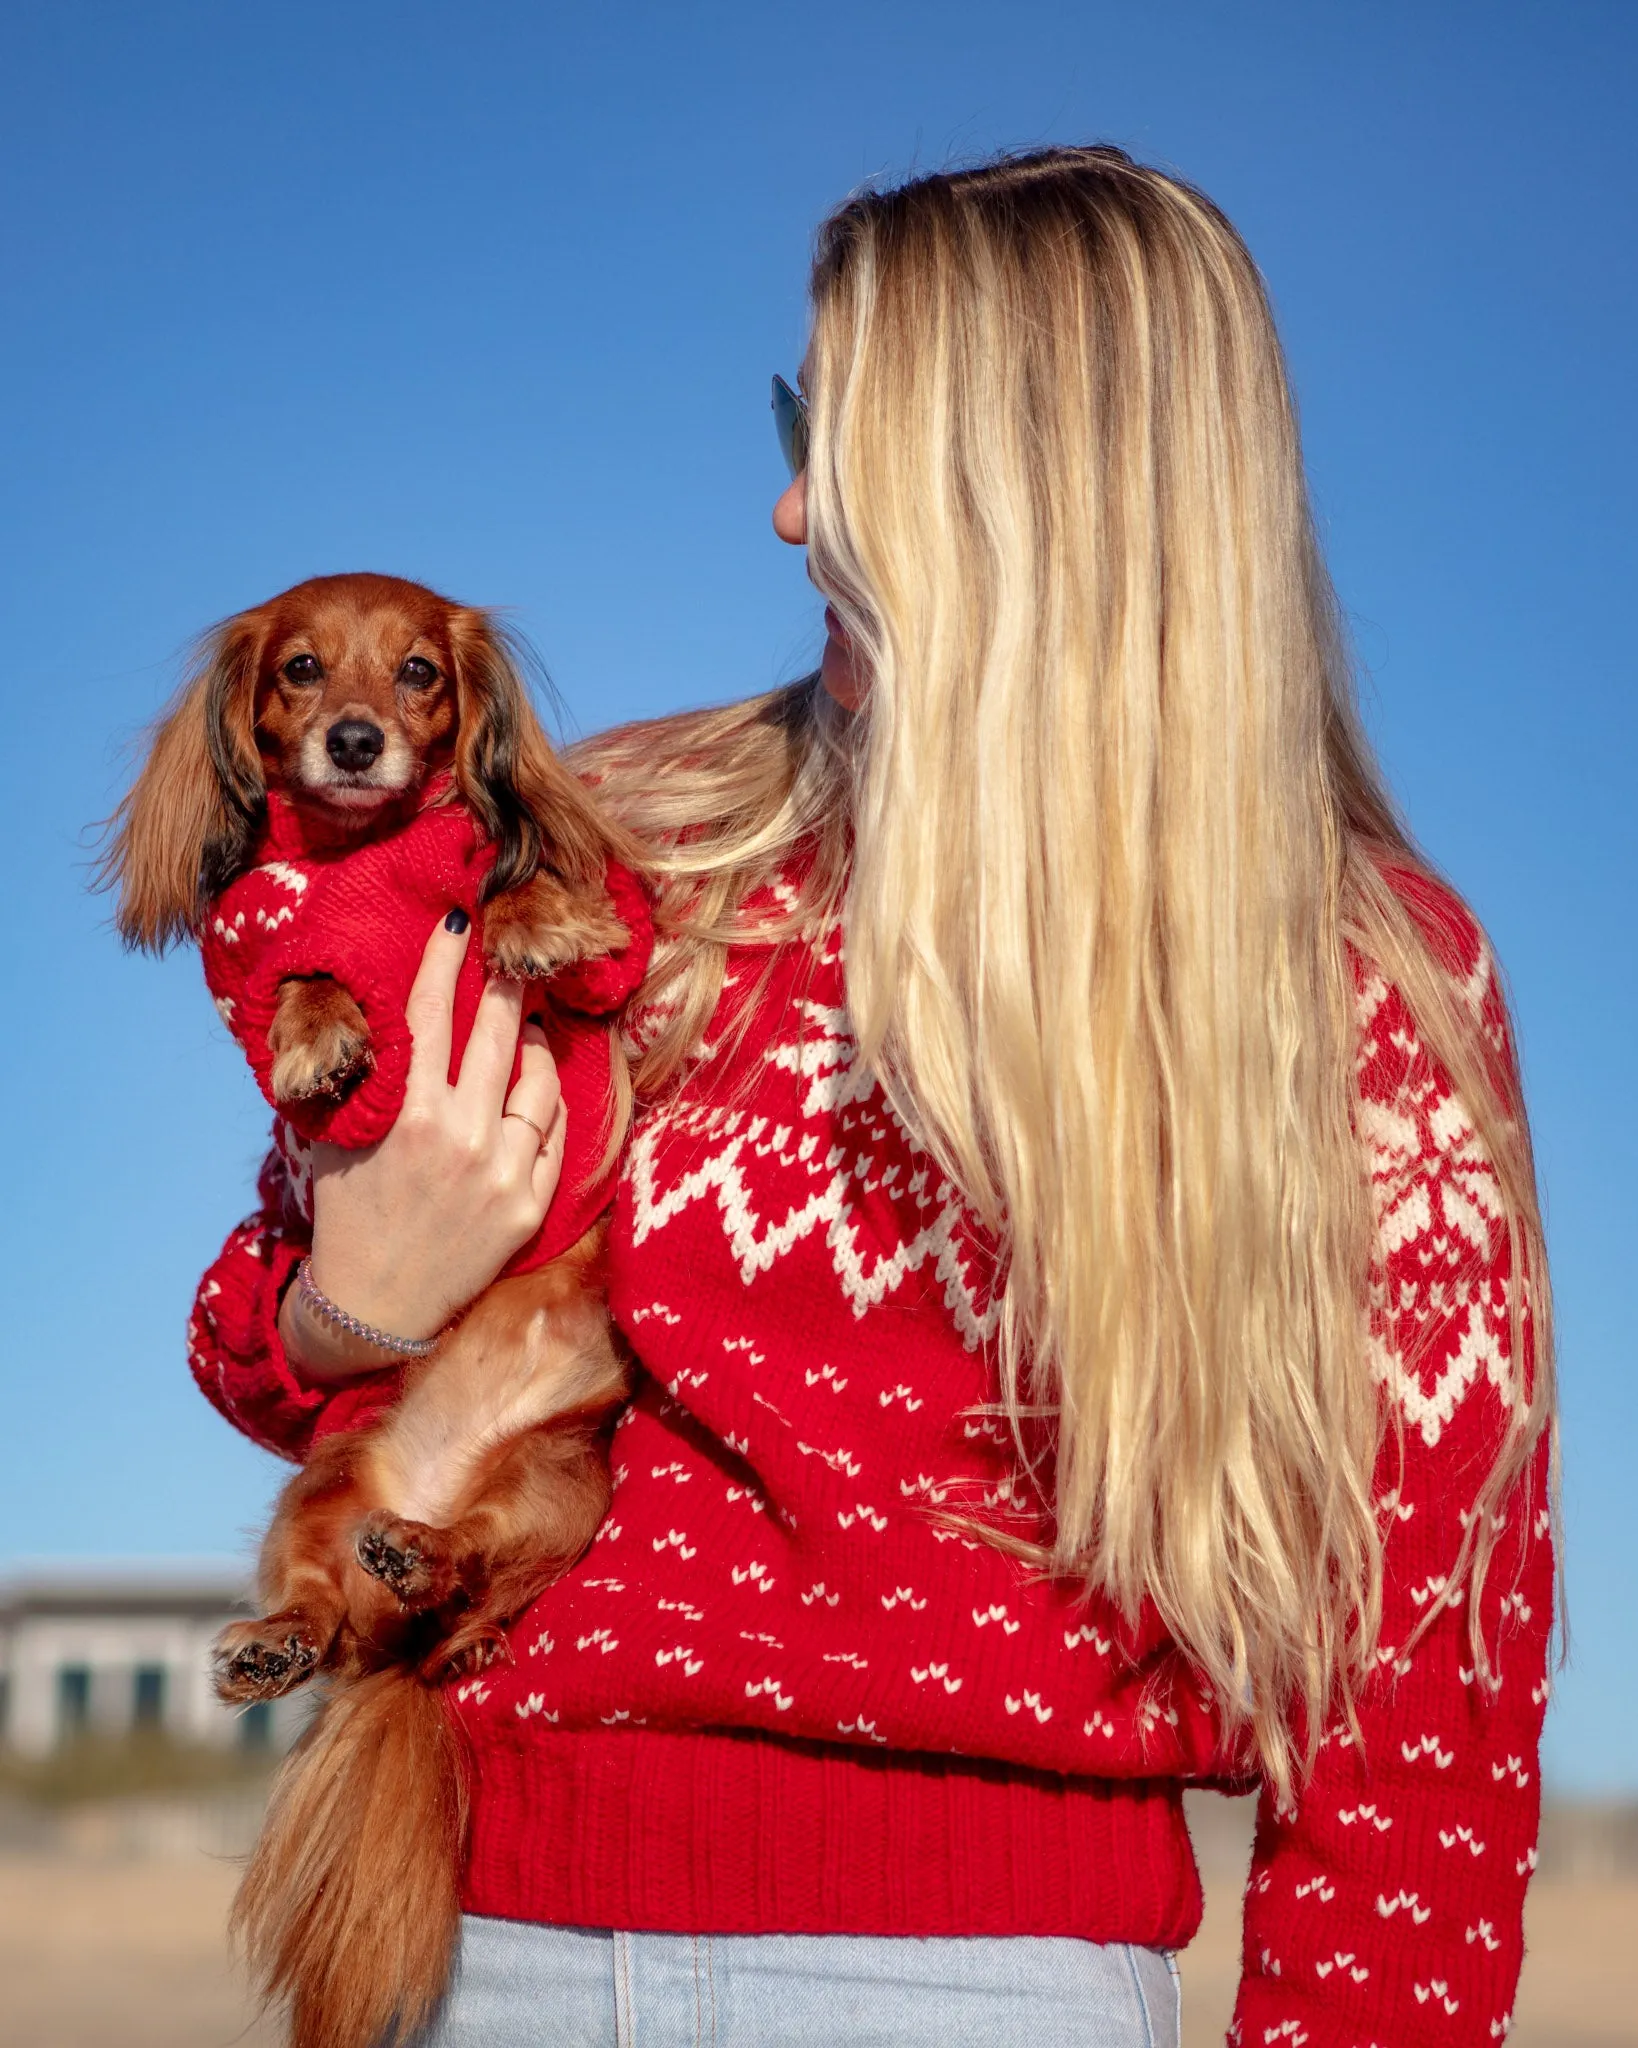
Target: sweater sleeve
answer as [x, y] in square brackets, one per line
[234, 1349]
[1387, 1907]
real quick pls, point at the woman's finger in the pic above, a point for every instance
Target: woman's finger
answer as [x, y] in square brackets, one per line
[430, 1009]
[536, 1109]
[548, 1167]
[486, 1058]
[535, 1104]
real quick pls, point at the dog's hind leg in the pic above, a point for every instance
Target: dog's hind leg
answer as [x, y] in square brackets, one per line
[303, 1579]
[533, 1512]
[535, 1350]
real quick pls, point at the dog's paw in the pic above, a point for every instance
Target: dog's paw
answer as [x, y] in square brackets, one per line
[527, 955]
[330, 1069]
[529, 933]
[319, 1040]
[409, 1558]
[261, 1660]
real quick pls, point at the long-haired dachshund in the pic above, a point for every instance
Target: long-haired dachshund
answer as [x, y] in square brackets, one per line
[351, 758]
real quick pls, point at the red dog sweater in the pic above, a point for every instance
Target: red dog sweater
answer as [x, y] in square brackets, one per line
[779, 1694]
[362, 914]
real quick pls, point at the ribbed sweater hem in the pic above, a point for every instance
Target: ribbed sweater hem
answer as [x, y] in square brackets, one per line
[742, 1833]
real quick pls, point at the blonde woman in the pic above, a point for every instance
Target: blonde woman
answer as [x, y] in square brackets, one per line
[1080, 1242]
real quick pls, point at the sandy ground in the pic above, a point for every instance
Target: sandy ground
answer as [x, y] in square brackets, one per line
[119, 1955]
[131, 1954]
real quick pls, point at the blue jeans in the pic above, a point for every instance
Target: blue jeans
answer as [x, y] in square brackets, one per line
[520, 1985]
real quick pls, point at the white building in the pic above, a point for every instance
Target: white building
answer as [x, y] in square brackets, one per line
[108, 1649]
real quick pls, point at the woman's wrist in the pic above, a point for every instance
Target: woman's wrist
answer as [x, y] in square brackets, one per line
[403, 1296]
[327, 1351]
[319, 1308]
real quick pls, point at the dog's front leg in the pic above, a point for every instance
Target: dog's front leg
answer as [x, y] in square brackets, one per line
[319, 1039]
[531, 931]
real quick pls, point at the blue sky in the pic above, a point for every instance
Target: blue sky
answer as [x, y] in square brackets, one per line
[489, 295]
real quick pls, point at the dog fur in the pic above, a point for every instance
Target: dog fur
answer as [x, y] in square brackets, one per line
[399, 1554]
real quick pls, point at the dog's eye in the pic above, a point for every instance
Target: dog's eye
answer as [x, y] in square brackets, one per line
[417, 672]
[303, 668]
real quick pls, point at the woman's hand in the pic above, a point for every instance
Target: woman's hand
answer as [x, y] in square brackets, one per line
[406, 1233]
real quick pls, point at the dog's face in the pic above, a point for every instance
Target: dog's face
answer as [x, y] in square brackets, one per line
[348, 693]
[355, 692]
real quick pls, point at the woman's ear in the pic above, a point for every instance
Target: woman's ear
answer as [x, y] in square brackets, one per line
[182, 831]
[535, 810]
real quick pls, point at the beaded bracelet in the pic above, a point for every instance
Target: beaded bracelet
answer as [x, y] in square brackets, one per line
[321, 1304]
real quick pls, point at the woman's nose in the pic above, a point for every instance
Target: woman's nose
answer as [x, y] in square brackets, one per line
[790, 513]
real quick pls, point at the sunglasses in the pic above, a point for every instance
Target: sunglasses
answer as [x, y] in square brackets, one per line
[790, 411]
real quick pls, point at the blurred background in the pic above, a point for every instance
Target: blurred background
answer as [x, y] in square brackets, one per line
[489, 296]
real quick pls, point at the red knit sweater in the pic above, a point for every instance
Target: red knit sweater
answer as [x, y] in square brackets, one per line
[778, 1695]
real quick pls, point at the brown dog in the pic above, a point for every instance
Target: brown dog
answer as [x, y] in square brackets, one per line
[401, 1551]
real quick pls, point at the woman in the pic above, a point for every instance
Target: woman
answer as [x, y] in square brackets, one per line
[1082, 1347]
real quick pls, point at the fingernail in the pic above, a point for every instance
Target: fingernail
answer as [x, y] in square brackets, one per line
[457, 920]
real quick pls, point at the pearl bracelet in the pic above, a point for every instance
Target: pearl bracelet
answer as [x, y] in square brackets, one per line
[320, 1303]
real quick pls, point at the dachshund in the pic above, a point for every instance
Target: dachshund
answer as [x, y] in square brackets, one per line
[358, 719]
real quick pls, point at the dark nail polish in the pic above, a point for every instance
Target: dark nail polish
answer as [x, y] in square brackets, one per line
[457, 920]
[536, 1017]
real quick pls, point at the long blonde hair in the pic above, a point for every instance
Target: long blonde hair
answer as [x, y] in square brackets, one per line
[1102, 837]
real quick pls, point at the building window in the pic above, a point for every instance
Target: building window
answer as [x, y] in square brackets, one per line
[73, 1700]
[148, 1696]
[256, 1726]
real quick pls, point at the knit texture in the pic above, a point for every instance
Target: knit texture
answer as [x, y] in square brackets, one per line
[308, 905]
[782, 1692]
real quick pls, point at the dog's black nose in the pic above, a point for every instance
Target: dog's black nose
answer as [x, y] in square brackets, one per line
[353, 743]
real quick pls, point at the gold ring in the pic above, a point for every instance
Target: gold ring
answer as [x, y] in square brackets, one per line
[529, 1120]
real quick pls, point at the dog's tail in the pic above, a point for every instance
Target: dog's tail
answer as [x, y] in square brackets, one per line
[349, 1909]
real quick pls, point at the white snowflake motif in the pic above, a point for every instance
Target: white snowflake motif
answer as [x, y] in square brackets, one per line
[1436, 1191]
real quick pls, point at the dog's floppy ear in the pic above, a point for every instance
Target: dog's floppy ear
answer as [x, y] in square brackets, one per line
[183, 829]
[536, 811]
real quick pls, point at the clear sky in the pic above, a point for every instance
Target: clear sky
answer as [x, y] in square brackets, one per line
[489, 295]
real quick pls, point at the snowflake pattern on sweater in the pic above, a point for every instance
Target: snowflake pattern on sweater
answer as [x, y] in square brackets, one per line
[809, 1299]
